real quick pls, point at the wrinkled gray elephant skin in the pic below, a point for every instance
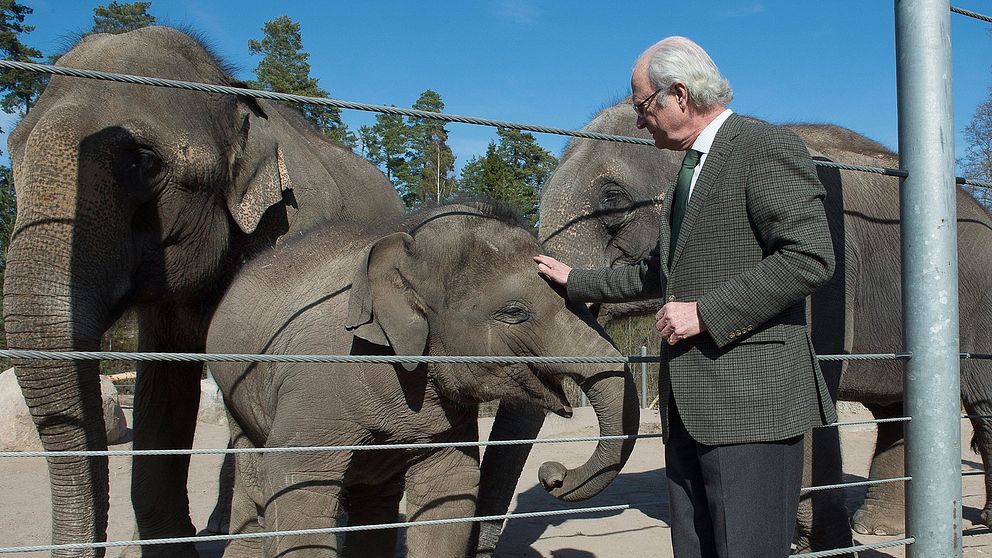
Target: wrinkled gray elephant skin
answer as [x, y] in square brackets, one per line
[601, 208]
[138, 196]
[454, 280]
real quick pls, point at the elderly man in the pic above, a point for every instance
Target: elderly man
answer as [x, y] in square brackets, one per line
[743, 241]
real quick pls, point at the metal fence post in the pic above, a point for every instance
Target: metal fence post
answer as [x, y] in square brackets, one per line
[644, 378]
[929, 278]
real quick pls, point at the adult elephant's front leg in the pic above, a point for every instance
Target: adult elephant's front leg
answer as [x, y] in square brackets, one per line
[166, 400]
[500, 472]
[442, 486]
[883, 511]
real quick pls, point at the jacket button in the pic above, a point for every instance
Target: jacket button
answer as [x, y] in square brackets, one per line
[671, 298]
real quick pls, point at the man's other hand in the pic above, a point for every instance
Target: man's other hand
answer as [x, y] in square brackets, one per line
[677, 321]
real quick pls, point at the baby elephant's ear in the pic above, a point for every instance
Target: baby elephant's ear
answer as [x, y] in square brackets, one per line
[382, 308]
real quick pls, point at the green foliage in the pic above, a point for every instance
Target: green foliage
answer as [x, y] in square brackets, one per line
[512, 171]
[977, 163]
[285, 68]
[413, 153]
[18, 89]
[385, 145]
[431, 162]
[120, 18]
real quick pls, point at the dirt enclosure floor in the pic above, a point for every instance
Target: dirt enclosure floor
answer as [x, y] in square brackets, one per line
[636, 532]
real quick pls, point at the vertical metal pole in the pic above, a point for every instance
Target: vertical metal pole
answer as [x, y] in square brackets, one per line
[644, 378]
[929, 278]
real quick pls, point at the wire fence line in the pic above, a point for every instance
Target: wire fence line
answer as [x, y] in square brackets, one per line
[389, 359]
[859, 548]
[876, 482]
[320, 531]
[371, 447]
[971, 14]
[386, 109]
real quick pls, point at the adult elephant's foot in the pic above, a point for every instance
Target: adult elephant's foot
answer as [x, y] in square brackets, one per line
[986, 516]
[875, 518]
[183, 550]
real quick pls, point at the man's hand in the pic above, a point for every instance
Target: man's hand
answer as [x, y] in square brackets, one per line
[678, 320]
[553, 269]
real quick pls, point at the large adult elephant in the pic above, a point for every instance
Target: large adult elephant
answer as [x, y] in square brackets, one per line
[135, 196]
[601, 208]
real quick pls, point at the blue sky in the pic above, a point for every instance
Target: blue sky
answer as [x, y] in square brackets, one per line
[557, 62]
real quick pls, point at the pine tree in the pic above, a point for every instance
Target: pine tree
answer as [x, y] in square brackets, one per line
[977, 162]
[512, 171]
[431, 162]
[285, 68]
[120, 18]
[385, 145]
[18, 88]
[532, 164]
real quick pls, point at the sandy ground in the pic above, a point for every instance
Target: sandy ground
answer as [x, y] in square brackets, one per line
[639, 531]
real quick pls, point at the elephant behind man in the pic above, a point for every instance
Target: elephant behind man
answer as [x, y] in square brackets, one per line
[137, 196]
[456, 280]
[601, 208]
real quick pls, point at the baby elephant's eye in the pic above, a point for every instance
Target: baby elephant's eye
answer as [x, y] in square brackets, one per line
[512, 313]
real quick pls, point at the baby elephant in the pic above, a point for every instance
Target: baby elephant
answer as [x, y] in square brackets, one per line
[455, 280]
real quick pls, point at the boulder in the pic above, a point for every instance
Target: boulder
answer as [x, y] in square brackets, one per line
[19, 432]
[212, 409]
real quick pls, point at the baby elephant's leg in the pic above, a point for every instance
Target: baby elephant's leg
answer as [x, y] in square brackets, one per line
[442, 486]
[301, 491]
[370, 505]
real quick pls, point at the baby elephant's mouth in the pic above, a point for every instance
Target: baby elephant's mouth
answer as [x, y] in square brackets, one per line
[555, 399]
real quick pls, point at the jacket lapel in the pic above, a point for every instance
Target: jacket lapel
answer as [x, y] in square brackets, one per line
[665, 234]
[723, 146]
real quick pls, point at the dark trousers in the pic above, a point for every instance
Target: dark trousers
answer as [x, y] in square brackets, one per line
[732, 501]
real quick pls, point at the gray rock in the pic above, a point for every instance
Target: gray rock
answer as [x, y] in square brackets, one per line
[212, 409]
[19, 432]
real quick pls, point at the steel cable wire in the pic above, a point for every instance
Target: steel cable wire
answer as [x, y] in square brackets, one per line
[385, 109]
[972, 14]
[378, 359]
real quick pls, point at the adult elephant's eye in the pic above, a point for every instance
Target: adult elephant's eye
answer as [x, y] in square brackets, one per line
[147, 165]
[512, 313]
[614, 207]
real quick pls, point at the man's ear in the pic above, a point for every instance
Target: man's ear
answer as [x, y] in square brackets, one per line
[382, 308]
[258, 173]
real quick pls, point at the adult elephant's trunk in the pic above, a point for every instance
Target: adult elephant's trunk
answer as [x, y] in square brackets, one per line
[64, 399]
[610, 389]
[44, 310]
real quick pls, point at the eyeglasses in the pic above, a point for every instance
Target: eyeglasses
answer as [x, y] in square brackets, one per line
[639, 108]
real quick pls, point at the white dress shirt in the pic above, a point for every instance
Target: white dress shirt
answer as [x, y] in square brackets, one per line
[704, 142]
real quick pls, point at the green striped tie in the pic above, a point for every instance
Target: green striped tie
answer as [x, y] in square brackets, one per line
[681, 198]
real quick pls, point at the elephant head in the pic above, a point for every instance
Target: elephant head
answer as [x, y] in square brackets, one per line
[132, 195]
[463, 282]
[602, 205]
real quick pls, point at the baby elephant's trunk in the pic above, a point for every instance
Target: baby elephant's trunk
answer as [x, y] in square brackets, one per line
[611, 392]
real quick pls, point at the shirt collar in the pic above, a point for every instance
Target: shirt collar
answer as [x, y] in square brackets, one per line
[705, 139]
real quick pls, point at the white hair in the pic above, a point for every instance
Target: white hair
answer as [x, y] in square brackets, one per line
[679, 60]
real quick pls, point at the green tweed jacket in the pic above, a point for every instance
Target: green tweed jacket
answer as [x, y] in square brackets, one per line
[754, 243]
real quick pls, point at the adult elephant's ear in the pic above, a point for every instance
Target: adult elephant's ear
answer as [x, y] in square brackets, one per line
[257, 169]
[383, 307]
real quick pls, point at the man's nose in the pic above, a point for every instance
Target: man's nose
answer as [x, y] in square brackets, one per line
[640, 121]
